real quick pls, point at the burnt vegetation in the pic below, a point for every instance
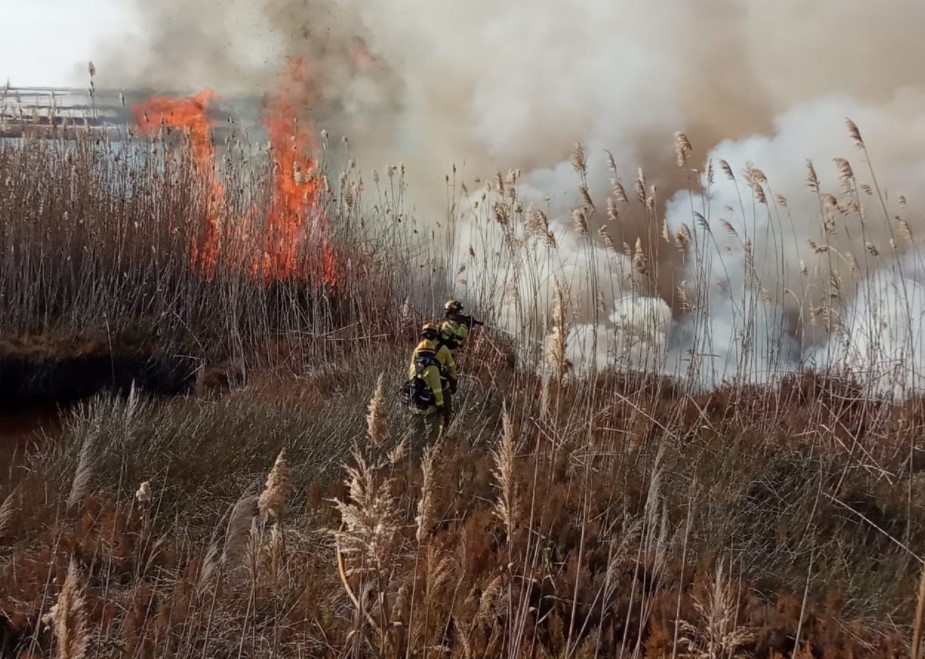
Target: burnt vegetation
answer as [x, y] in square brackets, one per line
[273, 510]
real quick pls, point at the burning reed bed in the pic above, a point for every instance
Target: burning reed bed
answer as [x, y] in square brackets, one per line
[120, 250]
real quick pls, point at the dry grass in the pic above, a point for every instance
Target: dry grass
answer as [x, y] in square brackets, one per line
[536, 541]
[617, 514]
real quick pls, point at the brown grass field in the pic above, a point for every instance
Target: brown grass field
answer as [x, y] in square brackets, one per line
[215, 466]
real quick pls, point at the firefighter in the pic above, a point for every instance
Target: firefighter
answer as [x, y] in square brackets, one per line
[456, 326]
[448, 374]
[426, 369]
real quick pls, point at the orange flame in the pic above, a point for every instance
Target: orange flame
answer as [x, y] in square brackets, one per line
[189, 115]
[296, 221]
[297, 217]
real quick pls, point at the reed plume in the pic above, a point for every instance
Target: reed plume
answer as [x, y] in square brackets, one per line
[613, 214]
[640, 261]
[505, 507]
[812, 180]
[68, 618]
[556, 340]
[143, 494]
[619, 192]
[639, 185]
[377, 422]
[8, 509]
[83, 473]
[854, 132]
[272, 501]
[398, 453]
[370, 520]
[426, 512]
[845, 173]
[239, 530]
[586, 198]
[579, 159]
[682, 149]
[580, 222]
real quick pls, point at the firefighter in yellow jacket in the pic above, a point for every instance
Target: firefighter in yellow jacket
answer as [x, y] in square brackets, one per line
[447, 363]
[431, 365]
[456, 326]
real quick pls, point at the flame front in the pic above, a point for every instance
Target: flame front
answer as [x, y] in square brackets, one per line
[297, 218]
[190, 115]
[295, 241]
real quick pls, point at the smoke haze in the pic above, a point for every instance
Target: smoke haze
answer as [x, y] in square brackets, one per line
[492, 86]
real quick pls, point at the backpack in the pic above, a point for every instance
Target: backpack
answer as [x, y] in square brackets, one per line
[415, 392]
[450, 342]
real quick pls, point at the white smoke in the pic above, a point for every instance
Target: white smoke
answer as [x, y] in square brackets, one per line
[882, 341]
[771, 303]
[642, 317]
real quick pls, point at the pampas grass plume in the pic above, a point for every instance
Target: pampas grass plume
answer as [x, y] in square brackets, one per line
[377, 424]
[272, 501]
[68, 618]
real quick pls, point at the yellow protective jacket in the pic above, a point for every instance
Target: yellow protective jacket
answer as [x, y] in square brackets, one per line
[455, 331]
[447, 363]
[430, 375]
[443, 354]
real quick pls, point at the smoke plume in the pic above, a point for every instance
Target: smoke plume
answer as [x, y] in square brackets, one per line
[496, 86]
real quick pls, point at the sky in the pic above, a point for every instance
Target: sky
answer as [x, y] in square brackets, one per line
[51, 42]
